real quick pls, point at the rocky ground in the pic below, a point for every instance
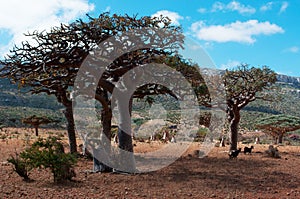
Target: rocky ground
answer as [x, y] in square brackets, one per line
[214, 176]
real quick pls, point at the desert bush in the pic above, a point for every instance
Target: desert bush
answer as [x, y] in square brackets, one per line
[21, 166]
[49, 154]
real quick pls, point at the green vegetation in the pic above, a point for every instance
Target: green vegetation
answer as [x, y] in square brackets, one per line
[278, 125]
[36, 121]
[13, 96]
[21, 166]
[11, 116]
[51, 67]
[50, 72]
[244, 85]
[45, 153]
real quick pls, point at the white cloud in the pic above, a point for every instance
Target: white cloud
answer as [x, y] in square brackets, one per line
[267, 6]
[230, 64]
[283, 7]
[242, 32]
[242, 9]
[218, 6]
[18, 17]
[233, 6]
[202, 10]
[173, 16]
[293, 49]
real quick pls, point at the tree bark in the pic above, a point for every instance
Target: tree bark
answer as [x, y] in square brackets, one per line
[71, 128]
[125, 141]
[127, 161]
[234, 120]
[106, 116]
[233, 134]
[36, 127]
[124, 132]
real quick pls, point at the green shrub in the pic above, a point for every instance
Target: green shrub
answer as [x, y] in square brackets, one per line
[138, 121]
[21, 166]
[49, 154]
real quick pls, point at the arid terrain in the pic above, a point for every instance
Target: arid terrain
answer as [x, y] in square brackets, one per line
[214, 176]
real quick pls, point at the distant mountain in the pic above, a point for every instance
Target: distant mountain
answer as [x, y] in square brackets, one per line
[280, 77]
[16, 104]
[295, 81]
[11, 95]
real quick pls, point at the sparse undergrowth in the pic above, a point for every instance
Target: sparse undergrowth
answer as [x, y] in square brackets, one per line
[48, 154]
[21, 166]
[214, 176]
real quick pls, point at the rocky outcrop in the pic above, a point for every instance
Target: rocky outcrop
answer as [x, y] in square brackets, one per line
[280, 78]
[288, 79]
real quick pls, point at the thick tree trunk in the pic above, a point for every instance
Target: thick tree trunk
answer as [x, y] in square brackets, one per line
[127, 161]
[71, 128]
[233, 134]
[124, 132]
[234, 120]
[106, 116]
[125, 141]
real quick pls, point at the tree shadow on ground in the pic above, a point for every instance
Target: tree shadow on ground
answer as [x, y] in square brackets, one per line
[241, 174]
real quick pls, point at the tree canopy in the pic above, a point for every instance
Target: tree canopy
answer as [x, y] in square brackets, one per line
[278, 125]
[242, 86]
[36, 121]
[50, 60]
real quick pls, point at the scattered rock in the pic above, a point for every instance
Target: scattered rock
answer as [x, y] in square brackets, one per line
[273, 152]
[5, 163]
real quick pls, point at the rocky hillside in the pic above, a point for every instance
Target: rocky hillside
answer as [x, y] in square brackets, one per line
[289, 84]
[11, 95]
[288, 79]
[13, 101]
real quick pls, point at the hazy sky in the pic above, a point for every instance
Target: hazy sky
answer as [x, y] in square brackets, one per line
[257, 32]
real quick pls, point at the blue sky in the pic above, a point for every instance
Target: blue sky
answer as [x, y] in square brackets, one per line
[257, 32]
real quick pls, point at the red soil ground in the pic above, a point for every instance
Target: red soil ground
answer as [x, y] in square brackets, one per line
[214, 176]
